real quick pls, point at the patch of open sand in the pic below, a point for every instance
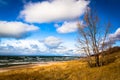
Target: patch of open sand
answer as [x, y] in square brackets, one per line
[4, 69]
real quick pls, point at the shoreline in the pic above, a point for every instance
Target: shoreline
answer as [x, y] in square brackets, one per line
[30, 65]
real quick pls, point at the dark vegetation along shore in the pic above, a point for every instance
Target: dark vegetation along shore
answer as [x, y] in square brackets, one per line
[70, 70]
[6, 61]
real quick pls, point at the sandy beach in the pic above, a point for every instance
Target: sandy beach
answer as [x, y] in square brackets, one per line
[5, 69]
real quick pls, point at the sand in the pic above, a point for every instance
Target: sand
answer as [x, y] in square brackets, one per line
[5, 69]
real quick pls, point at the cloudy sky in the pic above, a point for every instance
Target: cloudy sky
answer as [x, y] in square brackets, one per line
[49, 27]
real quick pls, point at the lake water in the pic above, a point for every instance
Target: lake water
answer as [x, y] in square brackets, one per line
[20, 60]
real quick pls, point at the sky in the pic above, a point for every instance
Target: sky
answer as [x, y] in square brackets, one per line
[49, 27]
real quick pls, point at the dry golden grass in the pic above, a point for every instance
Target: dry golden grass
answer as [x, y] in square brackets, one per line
[70, 70]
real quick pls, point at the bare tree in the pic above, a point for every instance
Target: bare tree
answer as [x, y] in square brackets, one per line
[92, 37]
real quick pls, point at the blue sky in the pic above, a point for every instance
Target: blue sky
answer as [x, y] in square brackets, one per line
[48, 27]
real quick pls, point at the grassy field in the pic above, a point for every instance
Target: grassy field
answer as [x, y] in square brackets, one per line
[69, 70]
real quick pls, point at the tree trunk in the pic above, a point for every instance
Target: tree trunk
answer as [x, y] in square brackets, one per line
[97, 60]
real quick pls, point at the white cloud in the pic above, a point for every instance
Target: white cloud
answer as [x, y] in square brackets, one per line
[66, 51]
[115, 36]
[52, 42]
[15, 29]
[55, 10]
[22, 47]
[68, 27]
[37, 47]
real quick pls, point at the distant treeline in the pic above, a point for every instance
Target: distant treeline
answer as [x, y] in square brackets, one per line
[35, 58]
